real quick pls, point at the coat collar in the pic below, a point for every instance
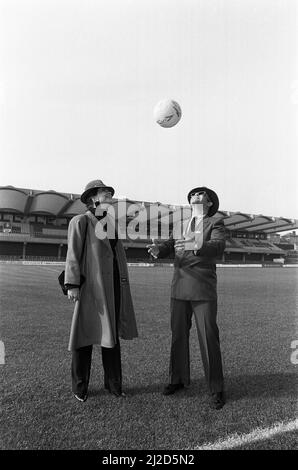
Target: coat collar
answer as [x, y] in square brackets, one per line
[94, 222]
[92, 217]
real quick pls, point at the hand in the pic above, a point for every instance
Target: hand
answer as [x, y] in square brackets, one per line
[180, 246]
[73, 294]
[153, 249]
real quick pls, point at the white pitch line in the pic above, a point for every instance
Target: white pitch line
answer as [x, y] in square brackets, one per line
[259, 434]
[2, 353]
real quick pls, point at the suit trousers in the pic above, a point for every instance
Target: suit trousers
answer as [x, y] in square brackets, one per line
[111, 357]
[205, 313]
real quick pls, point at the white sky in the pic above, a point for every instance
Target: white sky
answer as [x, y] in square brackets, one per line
[79, 81]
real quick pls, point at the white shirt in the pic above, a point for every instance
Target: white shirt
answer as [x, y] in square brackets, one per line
[193, 234]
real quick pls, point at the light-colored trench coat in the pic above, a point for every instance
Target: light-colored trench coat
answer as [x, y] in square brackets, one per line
[93, 319]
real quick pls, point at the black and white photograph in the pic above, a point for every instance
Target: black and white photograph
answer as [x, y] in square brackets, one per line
[148, 228]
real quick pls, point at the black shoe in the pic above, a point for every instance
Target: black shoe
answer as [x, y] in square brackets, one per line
[118, 394]
[172, 388]
[115, 392]
[217, 400]
[81, 397]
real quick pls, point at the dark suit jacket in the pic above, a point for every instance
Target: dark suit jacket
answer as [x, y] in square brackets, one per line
[195, 274]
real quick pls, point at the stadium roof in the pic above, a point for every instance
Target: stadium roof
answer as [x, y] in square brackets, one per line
[37, 202]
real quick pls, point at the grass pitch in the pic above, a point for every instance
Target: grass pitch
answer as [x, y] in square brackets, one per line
[256, 317]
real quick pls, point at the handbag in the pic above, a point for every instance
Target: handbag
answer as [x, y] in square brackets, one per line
[61, 277]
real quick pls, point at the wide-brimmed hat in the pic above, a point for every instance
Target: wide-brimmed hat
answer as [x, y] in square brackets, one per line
[95, 184]
[211, 195]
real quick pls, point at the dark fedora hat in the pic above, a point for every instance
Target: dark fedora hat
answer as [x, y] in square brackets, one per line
[92, 186]
[211, 195]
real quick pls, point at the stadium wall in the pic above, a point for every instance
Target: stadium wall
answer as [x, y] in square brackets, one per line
[57, 252]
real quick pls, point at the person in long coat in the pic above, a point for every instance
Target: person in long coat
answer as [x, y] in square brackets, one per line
[96, 277]
[194, 291]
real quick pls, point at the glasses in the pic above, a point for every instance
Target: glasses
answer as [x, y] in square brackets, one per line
[201, 193]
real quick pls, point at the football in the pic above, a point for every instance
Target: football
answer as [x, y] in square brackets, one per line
[167, 113]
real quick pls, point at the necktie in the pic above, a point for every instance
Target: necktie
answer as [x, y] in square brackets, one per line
[193, 224]
[195, 230]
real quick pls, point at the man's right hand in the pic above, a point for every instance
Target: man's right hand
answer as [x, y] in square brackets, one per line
[153, 249]
[73, 294]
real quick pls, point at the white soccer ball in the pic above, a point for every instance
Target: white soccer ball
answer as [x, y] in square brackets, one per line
[167, 113]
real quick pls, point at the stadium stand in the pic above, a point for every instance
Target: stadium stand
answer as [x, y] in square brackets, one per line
[291, 257]
[33, 226]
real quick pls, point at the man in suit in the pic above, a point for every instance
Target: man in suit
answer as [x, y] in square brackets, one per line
[194, 291]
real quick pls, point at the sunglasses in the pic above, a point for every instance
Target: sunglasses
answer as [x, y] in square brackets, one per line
[199, 193]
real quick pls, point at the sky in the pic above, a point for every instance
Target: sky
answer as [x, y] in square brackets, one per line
[79, 81]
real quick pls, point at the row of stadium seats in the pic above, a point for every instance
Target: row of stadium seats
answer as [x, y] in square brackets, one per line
[245, 243]
[48, 235]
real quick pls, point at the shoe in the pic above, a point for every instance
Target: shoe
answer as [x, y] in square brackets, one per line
[116, 393]
[217, 400]
[81, 397]
[119, 394]
[172, 388]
